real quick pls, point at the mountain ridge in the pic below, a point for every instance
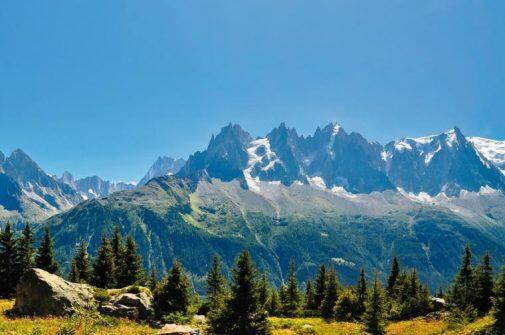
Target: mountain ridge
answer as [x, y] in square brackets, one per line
[287, 196]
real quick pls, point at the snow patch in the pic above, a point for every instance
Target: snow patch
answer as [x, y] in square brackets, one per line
[318, 182]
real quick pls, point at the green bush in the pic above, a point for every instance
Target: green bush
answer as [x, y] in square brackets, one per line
[135, 289]
[101, 296]
[177, 318]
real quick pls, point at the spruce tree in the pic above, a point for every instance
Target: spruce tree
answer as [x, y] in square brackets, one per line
[81, 264]
[242, 315]
[73, 275]
[321, 280]
[463, 289]
[174, 293]
[361, 294]
[425, 304]
[310, 297]
[9, 273]
[131, 270]
[25, 250]
[330, 295]
[153, 280]
[346, 306]
[395, 271]
[484, 285]
[499, 303]
[274, 303]
[104, 268]
[263, 291]
[216, 285]
[374, 317]
[117, 254]
[291, 303]
[45, 259]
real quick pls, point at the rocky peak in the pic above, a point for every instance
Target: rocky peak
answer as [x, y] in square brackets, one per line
[163, 166]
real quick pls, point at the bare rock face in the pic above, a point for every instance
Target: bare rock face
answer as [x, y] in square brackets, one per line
[41, 293]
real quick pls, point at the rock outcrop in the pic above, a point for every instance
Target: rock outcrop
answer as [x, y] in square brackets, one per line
[42, 293]
[136, 306]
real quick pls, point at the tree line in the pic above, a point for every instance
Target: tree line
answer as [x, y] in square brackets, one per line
[242, 304]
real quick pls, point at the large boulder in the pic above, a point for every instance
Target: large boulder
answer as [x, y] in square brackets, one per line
[41, 293]
[137, 306]
[141, 301]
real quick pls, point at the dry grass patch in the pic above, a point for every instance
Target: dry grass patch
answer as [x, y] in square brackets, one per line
[51, 325]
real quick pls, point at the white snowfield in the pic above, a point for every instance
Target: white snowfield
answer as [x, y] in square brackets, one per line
[493, 150]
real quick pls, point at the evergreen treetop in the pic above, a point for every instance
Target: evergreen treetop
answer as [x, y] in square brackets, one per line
[45, 259]
[104, 267]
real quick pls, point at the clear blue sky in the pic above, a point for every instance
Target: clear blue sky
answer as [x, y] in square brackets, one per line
[104, 87]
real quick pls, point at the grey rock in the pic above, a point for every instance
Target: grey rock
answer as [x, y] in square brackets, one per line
[140, 301]
[41, 293]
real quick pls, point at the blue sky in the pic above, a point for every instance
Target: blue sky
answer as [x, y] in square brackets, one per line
[104, 87]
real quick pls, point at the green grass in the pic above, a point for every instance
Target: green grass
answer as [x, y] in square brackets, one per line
[51, 325]
[280, 326]
[285, 326]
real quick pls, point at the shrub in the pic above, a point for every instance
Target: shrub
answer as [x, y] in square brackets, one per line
[101, 296]
[177, 318]
[135, 289]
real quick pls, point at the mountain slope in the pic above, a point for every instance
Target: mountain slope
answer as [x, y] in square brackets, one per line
[174, 217]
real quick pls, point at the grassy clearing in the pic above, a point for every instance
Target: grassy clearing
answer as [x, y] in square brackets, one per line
[50, 326]
[281, 326]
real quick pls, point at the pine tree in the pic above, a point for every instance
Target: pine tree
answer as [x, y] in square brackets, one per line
[117, 254]
[153, 280]
[361, 294]
[131, 271]
[274, 303]
[412, 304]
[216, 285]
[395, 271]
[425, 304]
[291, 304]
[330, 295]
[484, 285]
[374, 317]
[499, 303]
[73, 275]
[242, 315]
[174, 293]
[9, 273]
[45, 255]
[263, 291]
[463, 289]
[321, 281]
[25, 251]
[104, 268]
[346, 306]
[81, 264]
[310, 297]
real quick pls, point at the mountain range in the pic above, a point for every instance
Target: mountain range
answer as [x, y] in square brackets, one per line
[28, 193]
[331, 197]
